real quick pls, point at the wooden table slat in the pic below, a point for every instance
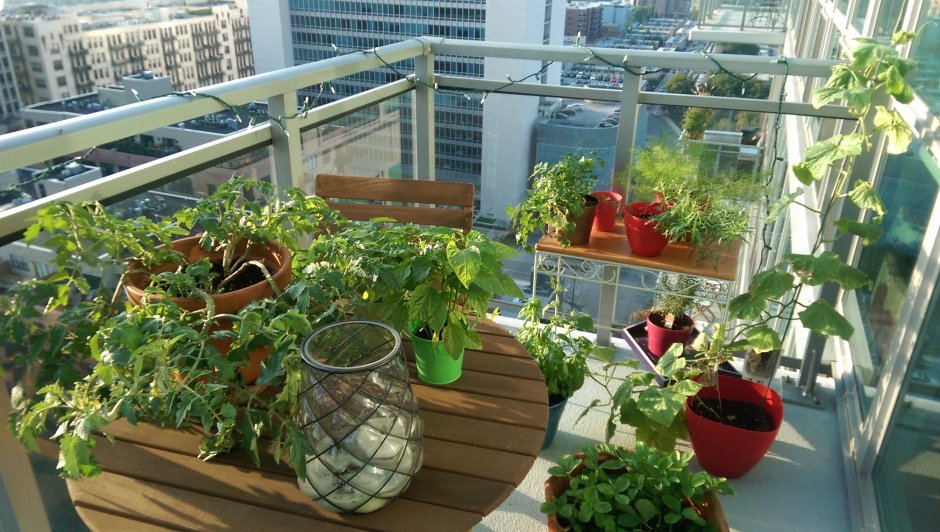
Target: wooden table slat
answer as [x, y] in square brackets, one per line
[501, 365]
[501, 386]
[486, 407]
[109, 521]
[482, 433]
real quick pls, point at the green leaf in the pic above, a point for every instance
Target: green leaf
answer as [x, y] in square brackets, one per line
[819, 156]
[646, 509]
[465, 262]
[746, 307]
[672, 502]
[75, 458]
[866, 197]
[869, 233]
[672, 361]
[763, 339]
[771, 284]
[896, 130]
[827, 267]
[428, 305]
[902, 37]
[827, 94]
[825, 320]
[661, 404]
[780, 206]
[629, 520]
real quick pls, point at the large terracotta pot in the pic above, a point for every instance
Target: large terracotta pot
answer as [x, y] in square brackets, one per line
[644, 238]
[660, 339]
[710, 509]
[276, 259]
[728, 451]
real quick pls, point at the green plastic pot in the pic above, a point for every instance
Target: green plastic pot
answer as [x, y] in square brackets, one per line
[435, 366]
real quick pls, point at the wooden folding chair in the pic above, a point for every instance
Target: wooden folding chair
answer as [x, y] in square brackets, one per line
[405, 200]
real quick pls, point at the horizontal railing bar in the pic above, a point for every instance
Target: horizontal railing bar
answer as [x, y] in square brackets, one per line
[744, 64]
[351, 104]
[655, 98]
[48, 141]
[139, 178]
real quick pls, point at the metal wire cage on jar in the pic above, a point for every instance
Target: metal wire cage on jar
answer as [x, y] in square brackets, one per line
[360, 416]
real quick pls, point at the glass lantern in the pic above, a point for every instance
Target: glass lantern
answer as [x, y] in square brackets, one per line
[360, 416]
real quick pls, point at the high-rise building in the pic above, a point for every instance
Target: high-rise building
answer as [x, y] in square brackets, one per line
[292, 32]
[60, 54]
[9, 95]
[584, 19]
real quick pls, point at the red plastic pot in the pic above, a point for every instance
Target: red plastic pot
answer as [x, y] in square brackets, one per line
[644, 238]
[728, 451]
[607, 207]
[660, 339]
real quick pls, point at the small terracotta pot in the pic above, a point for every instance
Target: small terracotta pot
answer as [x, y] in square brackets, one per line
[583, 224]
[710, 509]
[276, 259]
[607, 208]
[644, 238]
[728, 451]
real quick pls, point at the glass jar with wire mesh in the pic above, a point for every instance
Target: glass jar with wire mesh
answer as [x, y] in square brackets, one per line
[360, 416]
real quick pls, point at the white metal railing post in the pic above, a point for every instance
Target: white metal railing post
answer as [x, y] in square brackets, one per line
[286, 145]
[629, 114]
[424, 148]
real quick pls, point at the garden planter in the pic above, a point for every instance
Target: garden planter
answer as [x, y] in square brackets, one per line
[607, 207]
[276, 259]
[710, 509]
[555, 411]
[584, 222]
[644, 238]
[660, 339]
[434, 364]
[728, 451]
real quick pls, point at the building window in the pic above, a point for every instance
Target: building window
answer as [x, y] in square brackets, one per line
[32, 50]
[28, 31]
[40, 83]
[61, 81]
[19, 263]
[57, 64]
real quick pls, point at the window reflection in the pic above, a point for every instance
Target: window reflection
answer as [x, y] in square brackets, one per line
[909, 188]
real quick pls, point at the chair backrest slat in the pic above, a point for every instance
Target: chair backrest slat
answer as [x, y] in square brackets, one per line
[417, 202]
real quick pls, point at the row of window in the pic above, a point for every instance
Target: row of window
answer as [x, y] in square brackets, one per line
[468, 14]
[387, 27]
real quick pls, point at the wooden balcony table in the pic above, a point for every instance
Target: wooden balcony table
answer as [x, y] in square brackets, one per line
[482, 434]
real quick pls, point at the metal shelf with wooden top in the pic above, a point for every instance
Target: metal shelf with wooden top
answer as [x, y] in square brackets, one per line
[601, 260]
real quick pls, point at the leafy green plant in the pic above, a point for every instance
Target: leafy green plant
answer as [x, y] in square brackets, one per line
[874, 72]
[560, 354]
[612, 488]
[678, 297]
[707, 210]
[440, 277]
[84, 358]
[555, 198]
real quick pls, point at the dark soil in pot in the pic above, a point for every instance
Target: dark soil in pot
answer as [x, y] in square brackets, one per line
[424, 333]
[246, 277]
[739, 414]
[678, 324]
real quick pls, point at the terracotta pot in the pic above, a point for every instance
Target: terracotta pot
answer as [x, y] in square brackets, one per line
[660, 339]
[583, 224]
[728, 451]
[607, 208]
[276, 259]
[710, 509]
[644, 238]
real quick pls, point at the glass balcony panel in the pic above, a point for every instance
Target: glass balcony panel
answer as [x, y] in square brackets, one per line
[926, 51]
[907, 474]
[909, 189]
[372, 142]
[860, 15]
[890, 18]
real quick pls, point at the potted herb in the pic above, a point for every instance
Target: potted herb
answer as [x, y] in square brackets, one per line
[612, 488]
[436, 282]
[86, 359]
[558, 202]
[670, 320]
[560, 354]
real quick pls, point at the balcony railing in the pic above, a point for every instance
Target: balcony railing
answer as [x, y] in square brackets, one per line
[280, 90]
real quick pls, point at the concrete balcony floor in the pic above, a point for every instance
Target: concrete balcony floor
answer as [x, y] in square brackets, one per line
[799, 485]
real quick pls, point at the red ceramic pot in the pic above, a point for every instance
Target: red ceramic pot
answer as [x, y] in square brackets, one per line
[607, 207]
[727, 451]
[644, 238]
[660, 339]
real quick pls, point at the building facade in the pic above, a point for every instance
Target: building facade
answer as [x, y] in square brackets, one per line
[584, 19]
[59, 55]
[9, 94]
[293, 32]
